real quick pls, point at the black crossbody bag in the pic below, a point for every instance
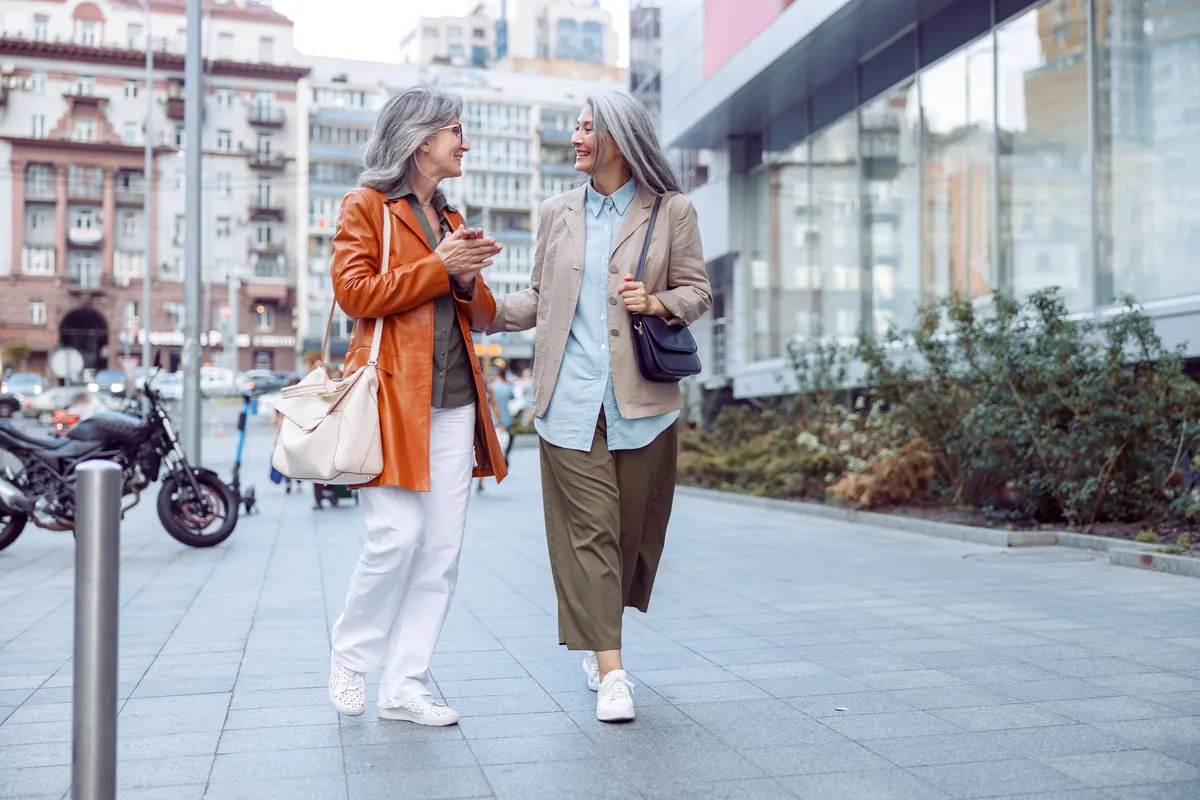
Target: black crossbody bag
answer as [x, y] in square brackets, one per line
[665, 353]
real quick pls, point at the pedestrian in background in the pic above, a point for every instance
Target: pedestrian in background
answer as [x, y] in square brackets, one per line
[435, 430]
[608, 439]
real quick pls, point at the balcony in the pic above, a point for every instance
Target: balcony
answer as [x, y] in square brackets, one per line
[40, 192]
[266, 208]
[266, 248]
[266, 117]
[561, 170]
[130, 195]
[83, 278]
[268, 162]
[84, 237]
[175, 108]
[37, 261]
[555, 135]
[84, 190]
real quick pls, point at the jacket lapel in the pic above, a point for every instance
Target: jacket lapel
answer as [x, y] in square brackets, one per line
[403, 211]
[636, 217]
[576, 224]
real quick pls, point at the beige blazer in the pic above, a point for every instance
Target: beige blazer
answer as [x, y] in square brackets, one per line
[674, 273]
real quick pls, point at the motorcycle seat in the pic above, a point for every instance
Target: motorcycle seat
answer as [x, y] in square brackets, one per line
[39, 442]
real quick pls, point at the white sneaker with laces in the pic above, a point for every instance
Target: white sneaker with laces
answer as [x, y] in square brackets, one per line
[423, 711]
[591, 668]
[347, 689]
[614, 702]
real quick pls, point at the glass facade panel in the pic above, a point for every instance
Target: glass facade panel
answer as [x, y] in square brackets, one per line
[1147, 172]
[1044, 166]
[838, 277]
[889, 138]
[794, 240]
[958, 104]
[761, 341]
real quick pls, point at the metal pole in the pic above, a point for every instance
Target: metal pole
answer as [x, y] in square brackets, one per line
[193, 316]
[147, 183]
[97, 551]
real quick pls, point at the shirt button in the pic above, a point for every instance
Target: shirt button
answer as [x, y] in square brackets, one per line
[612, 301]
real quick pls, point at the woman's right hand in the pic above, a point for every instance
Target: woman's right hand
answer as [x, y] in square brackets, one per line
[466, 251]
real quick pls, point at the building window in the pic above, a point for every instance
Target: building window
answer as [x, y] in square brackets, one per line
[224, 99]
[180, 136]
[224, 184]
[223, 228]
[266, 234]
[129, 135]
[84, 219]
[38, 128]
[454, 31]
[224, 270]
[37, 312]
[89, 33]
[180, 180]
[37, 82]
[263, 146]
[225, 141]
[37, 219]
[41, 28]
[85, 85]
[37, 261]
[133, 37]
[479, 33]
[179, 231]
[130, 316]
[265, 193]
[131, 224]
[266, 50]
[225, 46]
[264, 318]
[85, 130]
[431, 32]
[131, 89]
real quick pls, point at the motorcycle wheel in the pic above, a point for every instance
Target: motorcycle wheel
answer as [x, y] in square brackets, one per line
[191, 521]
[11, 526]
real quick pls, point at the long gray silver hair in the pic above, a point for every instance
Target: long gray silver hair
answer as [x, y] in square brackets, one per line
[626, 120]
[406, 122]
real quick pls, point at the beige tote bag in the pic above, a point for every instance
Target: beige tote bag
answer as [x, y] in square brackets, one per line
[330, 428]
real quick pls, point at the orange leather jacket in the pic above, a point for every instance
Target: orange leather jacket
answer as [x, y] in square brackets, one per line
[404, 298]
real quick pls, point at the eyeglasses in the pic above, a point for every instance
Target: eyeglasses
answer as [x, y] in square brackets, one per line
[457, 129]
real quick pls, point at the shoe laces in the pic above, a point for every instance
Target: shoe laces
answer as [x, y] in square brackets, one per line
[427, 707]
[618, 687]
[349, 684]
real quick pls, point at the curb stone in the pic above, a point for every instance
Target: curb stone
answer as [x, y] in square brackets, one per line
[1120, 552]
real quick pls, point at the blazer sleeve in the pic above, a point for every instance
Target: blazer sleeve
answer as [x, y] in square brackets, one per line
[688, 294]
[360, 290]
[478, 303]
[518, 311]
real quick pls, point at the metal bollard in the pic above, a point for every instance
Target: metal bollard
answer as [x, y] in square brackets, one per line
[97, 563]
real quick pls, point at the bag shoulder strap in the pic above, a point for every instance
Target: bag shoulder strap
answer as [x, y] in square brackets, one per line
[378, 338]
[646, 245]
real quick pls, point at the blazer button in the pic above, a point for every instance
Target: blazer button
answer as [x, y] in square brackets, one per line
[612, 301]
[612, 268]
[614, 332]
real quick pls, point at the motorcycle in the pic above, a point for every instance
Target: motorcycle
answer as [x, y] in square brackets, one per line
[194, 504]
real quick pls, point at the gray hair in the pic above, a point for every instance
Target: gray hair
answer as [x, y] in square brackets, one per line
[626, 120]
[406, 122]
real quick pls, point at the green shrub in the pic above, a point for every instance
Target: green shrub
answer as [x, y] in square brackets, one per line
[1148, 537]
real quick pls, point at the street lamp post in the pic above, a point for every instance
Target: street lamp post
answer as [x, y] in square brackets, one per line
[147, 183]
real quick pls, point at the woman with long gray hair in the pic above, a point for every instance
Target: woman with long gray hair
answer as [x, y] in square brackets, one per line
[608, 440]
[427, 295]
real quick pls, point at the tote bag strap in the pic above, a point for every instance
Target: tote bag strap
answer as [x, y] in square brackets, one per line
[378, 337]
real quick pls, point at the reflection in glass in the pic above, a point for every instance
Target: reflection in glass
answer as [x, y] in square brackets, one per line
[1045, 200]
[1148, 173]
[957, 97]
[888, 143]
[794, 238]
[837, 280]
[755, 269]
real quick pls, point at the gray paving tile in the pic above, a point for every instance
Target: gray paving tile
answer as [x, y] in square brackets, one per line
[1186, 790]
[43, 712]
[32, 781]
[24, 756]
[311, 788]
[245, 766]
[491, 705]
[708, 692]
[288, 737]
[996, 718]
[1154, 733]
[749, 789]
[809, 686]
[532, 749]
[996, 778]
[151, 772]
[908, 679]
[924, 751]
[840, 705]
[1148, 683]
[409, 756]
[279, 698]
[892, 725]
[323, 714]
[1064, 740]
[950, 697]
[505, 725]
[132, 748]
[813, 759]
[1110, 709]
[1131, 768]
[882, 784]
[193, 791]
[576, 779]
[1056, 689]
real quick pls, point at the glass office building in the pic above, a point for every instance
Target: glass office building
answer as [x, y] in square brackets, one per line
[869, 157]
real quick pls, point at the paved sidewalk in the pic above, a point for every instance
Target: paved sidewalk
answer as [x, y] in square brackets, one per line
[783, 657]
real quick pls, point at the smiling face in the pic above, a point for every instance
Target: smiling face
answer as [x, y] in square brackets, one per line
[441, 155]
[587, 146]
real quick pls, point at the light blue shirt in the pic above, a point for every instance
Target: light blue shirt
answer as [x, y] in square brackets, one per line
[585, 383]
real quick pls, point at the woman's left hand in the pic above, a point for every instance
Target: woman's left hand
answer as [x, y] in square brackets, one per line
[639, 301]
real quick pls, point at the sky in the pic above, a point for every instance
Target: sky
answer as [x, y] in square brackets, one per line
[371, 30]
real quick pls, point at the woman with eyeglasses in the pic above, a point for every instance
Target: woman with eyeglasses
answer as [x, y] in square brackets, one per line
[435, 429]
[608, 443]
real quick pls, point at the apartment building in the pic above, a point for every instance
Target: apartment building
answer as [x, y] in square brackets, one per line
[519, 129]
[72, 130]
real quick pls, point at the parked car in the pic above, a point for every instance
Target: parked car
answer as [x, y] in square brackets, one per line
[9, 405]
[54, 399]
[24, 384]
[108, 381]
[169, 385]
[261, 380]
[217, 382]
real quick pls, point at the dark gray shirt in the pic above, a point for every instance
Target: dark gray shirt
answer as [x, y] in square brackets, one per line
[453, 378]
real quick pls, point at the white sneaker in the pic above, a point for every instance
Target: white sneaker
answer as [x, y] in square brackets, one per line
[614, 703]
[347, 689]
[591, 668]
[423, 711]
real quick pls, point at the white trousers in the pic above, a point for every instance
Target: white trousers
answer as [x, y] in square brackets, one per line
[404, 581]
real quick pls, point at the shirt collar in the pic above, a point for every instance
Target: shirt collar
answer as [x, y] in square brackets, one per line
[440, 204]
[621, 198]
